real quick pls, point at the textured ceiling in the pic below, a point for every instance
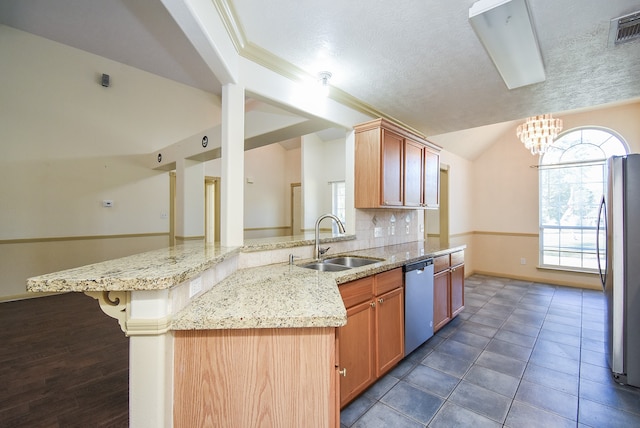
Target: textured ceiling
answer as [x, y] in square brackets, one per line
[417, 61]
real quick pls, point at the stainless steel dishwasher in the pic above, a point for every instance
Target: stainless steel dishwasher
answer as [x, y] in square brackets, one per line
[418, 304]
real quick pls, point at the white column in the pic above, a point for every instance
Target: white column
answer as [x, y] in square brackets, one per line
[189, 198]
[232, 180]
[150, 360]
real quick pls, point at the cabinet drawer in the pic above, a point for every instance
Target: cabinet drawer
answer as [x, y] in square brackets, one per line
[357, 291]
[441, 263]
[387, 281]
[457, 258]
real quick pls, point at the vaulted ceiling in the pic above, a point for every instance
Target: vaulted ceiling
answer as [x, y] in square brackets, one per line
[417, 61]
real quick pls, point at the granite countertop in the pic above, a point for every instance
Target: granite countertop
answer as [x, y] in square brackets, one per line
[160, 269]
[153, 270]
[272, 296]
[283, 295]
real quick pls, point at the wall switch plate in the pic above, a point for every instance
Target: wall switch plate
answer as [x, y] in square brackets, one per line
[523, 261]
[195, 286]
[377, 232]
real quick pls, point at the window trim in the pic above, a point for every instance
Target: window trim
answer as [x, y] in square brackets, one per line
[542, 166]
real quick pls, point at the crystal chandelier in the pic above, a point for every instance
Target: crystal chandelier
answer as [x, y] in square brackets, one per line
[538, 132]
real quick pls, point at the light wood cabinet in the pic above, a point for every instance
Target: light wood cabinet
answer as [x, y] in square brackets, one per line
[457, 285]
[372, 341]
[389, 312]
[431, 182]
[356, 339]
[255, 377]
[448, 288]
[441, 310]
[394, 167]
[413, 174]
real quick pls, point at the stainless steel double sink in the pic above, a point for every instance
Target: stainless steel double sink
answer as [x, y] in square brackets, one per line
[336, 264]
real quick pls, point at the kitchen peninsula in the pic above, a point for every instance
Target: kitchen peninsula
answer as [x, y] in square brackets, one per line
[215, 333]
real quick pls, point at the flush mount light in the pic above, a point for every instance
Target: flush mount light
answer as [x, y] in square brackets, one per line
[505, 29]
[323, 79]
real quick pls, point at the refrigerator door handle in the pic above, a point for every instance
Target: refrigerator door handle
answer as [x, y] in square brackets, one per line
[602, 215]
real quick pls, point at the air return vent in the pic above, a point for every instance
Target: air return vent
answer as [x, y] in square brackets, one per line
[624, 29]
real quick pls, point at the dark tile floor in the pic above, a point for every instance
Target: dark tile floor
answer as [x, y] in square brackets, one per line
[520, 355]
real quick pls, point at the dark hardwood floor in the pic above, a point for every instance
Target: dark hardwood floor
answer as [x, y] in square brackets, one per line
[63, 363]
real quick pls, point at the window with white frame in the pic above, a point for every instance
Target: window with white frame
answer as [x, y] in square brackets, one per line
[573, 179]
[338, 202]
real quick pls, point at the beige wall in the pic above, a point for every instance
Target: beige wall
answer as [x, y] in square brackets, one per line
[68, 144]
[24, 258]
[505, 200]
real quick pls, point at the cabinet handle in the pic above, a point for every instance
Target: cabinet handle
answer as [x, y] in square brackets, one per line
[373, 304]
[343, 372]
[381, 300]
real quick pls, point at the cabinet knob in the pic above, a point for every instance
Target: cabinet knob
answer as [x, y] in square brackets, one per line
[381, 300]
[373, 304]
[343, 372]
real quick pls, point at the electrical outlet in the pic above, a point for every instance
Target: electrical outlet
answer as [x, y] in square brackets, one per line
[407, 229]
[195, 286]
[523, 261]
[377, 232]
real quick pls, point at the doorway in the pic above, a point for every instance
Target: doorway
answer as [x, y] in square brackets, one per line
[211, 209]
[437, 221]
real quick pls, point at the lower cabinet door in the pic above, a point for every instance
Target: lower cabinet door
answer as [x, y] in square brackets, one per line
[441, 311]
[389, 311]
[356, 340]
[457, 290]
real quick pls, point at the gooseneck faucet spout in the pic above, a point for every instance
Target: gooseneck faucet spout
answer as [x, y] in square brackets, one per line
[317, 252]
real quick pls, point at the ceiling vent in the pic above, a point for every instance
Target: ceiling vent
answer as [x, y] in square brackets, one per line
[624, 29]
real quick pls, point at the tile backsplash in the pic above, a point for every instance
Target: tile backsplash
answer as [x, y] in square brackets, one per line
[374, 228]
[380, 227]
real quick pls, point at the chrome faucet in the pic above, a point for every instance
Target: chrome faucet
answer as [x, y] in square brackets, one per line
[317, 252]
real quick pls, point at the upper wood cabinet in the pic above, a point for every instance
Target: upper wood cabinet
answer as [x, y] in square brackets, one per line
[431, 178]
[394, 167]
[413, 173]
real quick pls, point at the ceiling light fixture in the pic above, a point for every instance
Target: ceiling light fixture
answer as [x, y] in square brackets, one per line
[323, 79]
[538, 132]
[504, 27]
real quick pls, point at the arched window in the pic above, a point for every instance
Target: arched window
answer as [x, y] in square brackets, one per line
[573, 178]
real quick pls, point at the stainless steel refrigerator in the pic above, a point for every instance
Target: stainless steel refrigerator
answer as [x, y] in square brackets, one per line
[620, 267]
